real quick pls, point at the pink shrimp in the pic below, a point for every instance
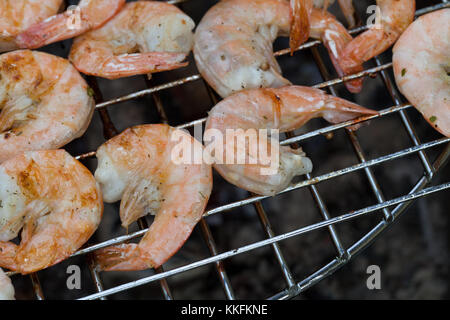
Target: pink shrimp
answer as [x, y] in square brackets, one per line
[145, 37]
[284, 109]
[141, 167]
[300, 24]
[6, 288]
[44, 102]
[54, 200]
[349, 11]
[346, 7]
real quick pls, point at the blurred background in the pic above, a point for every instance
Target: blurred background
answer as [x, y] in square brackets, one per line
[412, 254]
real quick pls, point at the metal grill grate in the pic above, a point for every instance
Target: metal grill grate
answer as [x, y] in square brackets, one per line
[391, 209]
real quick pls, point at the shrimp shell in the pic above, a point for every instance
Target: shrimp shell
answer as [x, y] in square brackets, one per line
[44, 102]
[56, 202]
[421, 67]
[138, 167]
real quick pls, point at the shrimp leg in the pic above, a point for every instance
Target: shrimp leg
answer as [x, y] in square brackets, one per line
[7, 257]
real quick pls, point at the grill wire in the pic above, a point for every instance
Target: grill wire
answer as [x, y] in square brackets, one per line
[391, 209]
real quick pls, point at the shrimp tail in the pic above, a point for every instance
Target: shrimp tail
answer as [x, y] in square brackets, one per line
[7, 291]
[300, 22]
[121, 258]
[54, 29]
[141, 63]
[338, 110]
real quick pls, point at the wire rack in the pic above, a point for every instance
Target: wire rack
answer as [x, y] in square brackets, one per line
[391, 209]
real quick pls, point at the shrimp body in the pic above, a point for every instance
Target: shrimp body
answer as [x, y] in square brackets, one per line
[145, 37]
[395, 16]
[233, 42]
[18, 15]
[44, 102]
[56, 202]
[6, 288]
[88, 15]
[421, 67]
[284, 109]
[138, 167]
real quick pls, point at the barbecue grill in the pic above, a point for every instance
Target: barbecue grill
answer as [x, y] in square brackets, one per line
[156, 98]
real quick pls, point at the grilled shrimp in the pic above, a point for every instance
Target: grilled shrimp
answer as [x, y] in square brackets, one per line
[145, 37]
[422, 65]
[88, 15]
[56, 202]
[284, 109]
[6, 288]
[140, 167]
[233, 43]
[396, 16]
[44, 102]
